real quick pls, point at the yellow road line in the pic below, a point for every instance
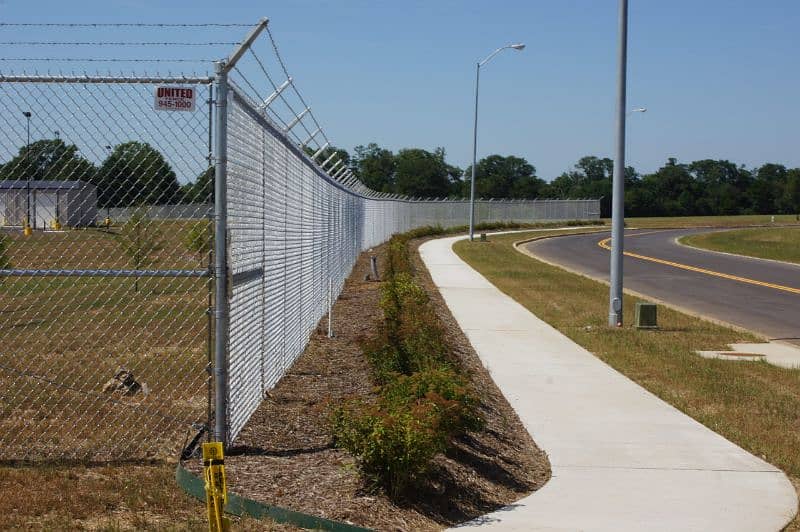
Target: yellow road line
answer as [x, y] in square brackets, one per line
[605, 245]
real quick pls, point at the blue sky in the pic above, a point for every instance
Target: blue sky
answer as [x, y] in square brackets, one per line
[720, 79]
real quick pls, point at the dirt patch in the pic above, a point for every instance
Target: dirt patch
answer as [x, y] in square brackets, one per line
[285, 457]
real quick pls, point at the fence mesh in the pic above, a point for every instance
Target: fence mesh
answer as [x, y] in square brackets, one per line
[107, 275]
[295, 234]
[104, 329]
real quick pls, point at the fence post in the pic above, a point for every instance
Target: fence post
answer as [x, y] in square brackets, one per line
[221, 258]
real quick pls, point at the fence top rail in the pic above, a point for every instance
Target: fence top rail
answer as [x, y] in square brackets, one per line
[86, 78]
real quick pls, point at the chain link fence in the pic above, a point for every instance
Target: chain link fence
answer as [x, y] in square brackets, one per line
[161, 270]
[295, 234]
[104, 327]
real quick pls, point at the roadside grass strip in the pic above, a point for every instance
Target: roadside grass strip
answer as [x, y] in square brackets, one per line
[771, 243]
[672, 222]
[753, 404]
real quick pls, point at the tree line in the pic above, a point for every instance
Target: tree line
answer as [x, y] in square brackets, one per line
[706, 187]
[135, 173]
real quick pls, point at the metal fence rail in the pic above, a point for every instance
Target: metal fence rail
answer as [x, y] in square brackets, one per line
[220, 234]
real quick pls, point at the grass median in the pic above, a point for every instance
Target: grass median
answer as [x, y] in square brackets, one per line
[753, 404]
[776, 243]
[668, 222]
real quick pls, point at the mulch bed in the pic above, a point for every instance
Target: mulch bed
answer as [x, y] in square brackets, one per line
[285, 455]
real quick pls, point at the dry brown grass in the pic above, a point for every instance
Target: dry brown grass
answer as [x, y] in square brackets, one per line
[63, 338]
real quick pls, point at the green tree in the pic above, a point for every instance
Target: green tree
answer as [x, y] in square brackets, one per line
[504, 177]
[423, 174]
[671, 190]
[765, 191]
[721, 186]
[201, 190]
[141, 241]
[789, 201]
[375, 167]
[135, 173]
[591, 177]
[48, 159]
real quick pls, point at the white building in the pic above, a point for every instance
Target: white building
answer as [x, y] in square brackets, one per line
[73, 203]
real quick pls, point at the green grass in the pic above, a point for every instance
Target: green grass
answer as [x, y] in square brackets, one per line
[777, 243]
[754, 404]
[711, 221]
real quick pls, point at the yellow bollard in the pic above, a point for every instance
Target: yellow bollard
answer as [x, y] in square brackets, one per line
[216, 491]
[26, 228]
[107, 222]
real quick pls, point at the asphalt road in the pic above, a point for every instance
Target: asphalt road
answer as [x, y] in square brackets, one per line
[747, 301]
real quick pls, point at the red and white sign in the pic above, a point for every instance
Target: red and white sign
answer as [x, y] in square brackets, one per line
[175, 98]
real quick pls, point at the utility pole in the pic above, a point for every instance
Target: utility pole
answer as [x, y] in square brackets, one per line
[618, 187]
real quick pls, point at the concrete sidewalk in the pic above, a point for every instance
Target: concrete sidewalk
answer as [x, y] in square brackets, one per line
[622, 459]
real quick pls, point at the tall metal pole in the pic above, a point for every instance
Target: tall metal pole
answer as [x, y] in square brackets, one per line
[220, 258]
[618, 187]
[474, 156]
[28, 170]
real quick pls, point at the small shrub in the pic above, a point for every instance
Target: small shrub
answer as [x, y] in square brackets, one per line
[199, 239]
[141, 241]
[423, 402]
[392, 448]
[461, 412]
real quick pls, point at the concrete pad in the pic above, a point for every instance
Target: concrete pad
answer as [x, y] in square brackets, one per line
[622, 459]
[779, 354]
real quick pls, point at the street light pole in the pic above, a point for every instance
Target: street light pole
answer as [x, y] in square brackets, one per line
[618, 186]
[27, 115]
[517, 47]
[474, 156]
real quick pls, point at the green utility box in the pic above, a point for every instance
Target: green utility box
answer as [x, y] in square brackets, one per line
[646, 316]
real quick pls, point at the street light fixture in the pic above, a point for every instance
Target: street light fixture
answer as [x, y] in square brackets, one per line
[638, 110]
[27, 115]
[518, 47]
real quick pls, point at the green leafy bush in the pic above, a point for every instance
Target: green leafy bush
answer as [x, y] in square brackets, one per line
[461, 405]
[199, 239]
[423, 402]
[141, 240]
[395, 447]
[410, 338]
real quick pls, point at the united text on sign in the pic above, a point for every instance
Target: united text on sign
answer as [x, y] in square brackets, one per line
[175, 98]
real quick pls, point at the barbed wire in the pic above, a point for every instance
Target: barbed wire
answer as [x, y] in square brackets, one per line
[103, 60]
[124, 25]
[114, 43]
